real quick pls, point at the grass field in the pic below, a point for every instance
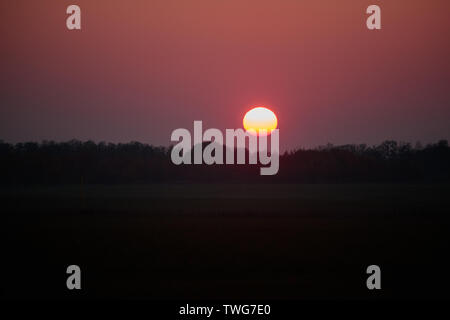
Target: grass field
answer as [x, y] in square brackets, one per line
[227, 241]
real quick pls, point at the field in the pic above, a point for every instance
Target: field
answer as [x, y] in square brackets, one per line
[226, 241]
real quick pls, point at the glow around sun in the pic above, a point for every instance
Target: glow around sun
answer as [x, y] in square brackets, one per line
[260, 118]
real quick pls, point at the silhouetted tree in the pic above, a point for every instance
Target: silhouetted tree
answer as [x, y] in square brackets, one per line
[74, 161]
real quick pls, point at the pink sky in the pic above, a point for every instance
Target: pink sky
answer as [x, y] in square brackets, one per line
[139, 69]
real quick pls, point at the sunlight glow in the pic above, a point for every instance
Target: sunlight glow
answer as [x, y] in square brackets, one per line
[260, 118]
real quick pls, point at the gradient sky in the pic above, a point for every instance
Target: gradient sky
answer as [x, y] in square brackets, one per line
[139, 69]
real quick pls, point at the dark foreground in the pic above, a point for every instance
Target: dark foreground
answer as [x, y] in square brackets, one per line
[226, 241]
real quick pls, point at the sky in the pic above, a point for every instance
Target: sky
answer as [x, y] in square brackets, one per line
[139, 69]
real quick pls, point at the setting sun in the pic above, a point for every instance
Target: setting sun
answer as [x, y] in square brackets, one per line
[260, 118]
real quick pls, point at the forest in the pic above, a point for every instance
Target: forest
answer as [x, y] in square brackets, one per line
[77, 162]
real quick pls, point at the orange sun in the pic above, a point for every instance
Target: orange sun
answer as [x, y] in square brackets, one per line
[260, 118]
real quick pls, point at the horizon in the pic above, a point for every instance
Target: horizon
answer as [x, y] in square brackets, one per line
[414, 144]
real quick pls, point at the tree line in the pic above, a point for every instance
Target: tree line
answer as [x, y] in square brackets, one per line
[76, 162]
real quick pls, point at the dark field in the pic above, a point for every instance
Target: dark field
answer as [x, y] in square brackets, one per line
[227, 241]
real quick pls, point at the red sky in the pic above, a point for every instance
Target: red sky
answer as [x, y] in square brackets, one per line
[139, 69]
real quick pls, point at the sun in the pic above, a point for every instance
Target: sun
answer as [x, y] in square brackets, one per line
[260, 118]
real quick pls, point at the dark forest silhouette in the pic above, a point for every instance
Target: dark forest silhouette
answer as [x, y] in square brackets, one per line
[77, 162]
